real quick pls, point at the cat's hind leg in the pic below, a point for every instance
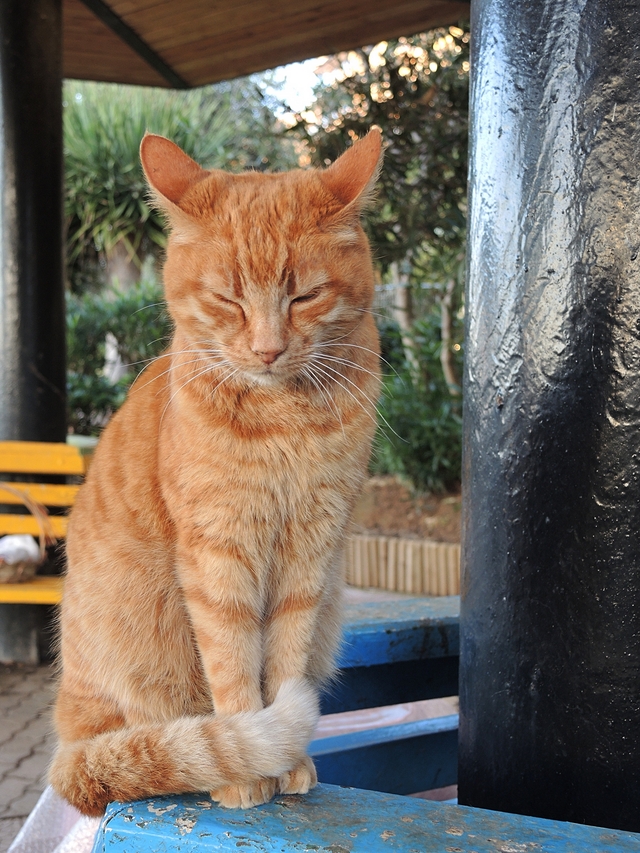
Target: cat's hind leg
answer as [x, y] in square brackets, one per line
[80, 713]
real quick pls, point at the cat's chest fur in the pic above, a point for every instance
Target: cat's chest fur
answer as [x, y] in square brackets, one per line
[270, 459]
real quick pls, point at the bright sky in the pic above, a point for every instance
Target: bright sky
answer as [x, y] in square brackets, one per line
[299, 80]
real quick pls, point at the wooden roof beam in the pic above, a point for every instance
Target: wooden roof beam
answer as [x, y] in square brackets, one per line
[131, 38]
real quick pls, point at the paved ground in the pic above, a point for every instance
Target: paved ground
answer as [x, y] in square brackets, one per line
[26, 743]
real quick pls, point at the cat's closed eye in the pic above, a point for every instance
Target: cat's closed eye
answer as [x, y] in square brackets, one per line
[228, 303]
[224, 299]
[307, 297]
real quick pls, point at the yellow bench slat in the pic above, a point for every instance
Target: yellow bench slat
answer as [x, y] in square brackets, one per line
[43, 493]
[38, 457]
[38, 590]
[28, 524]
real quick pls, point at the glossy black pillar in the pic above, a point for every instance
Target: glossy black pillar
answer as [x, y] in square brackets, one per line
[550, 645]
[32, 327]
[32, 324]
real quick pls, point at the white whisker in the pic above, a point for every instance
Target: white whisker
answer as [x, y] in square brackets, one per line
[340, 337]
[372, 312]
[171, 353]
[357, 387]
[231, 371]
[366, 349]
[150, 305]
[323, 370]
[307, 371]
[176, 366]
[348, 363]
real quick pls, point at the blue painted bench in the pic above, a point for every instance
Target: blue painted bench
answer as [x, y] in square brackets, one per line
[397, 651]
[394, 652]
[342, 820]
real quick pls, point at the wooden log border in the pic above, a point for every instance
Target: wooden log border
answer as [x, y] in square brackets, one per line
[417, 566]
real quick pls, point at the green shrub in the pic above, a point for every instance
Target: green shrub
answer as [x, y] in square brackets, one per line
[420, 421]
[140, 324]
[391, 349]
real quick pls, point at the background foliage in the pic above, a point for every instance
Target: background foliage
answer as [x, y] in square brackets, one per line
[139, 322]
[416, 91]
[420, 432]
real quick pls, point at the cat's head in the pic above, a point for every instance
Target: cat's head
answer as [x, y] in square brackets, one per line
[264, 269]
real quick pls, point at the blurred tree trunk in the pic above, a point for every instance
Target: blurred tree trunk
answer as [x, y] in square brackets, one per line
[122, 269]
[403, 311]
[446, 358]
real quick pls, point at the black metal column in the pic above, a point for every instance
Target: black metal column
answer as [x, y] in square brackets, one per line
[32, 321]
[550, 646]
[32, 327]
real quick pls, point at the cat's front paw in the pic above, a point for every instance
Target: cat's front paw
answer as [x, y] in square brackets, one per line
[245, 796]
[301, 779]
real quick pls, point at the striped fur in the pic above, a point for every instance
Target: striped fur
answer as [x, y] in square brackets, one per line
[202, 600]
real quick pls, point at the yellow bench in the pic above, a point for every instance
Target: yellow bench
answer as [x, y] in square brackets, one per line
[39, 458]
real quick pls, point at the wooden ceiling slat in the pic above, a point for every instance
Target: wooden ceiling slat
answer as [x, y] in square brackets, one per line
[162, 30]
[160, 21]
[130, 37]
[126, 8]
[204, 41]
[261, 46]
[250, 62]
[91, 51]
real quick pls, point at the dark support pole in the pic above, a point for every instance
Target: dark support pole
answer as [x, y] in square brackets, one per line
[32, 329]
[550, 620]
[32, 325]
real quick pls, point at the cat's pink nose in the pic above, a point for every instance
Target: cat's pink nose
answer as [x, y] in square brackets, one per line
[269, 356]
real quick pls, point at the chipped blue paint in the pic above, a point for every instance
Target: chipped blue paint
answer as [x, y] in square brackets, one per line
[339, 820]
[400, 630]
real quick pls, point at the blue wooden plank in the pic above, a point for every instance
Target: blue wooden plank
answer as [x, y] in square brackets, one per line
[380, 759]
[383, 734]
[396, 767]
[389, 684]
[396, 651]
[342, 821]
[400, 630]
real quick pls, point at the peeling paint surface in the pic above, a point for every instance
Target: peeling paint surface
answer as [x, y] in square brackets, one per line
[342, 820]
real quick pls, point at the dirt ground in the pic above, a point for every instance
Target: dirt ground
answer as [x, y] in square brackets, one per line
[388, 507]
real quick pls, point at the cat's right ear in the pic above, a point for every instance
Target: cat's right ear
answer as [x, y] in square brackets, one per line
[170, 173]
[352, 177]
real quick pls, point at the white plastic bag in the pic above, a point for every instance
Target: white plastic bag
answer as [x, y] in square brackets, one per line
[55, 827]
[18, 547]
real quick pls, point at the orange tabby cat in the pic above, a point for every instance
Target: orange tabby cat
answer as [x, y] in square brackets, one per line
[202, 602]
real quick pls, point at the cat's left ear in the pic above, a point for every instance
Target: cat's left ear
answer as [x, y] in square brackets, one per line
[352, 178]
[169, 171]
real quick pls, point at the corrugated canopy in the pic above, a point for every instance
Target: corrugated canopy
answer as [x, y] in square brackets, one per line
[184, 43]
